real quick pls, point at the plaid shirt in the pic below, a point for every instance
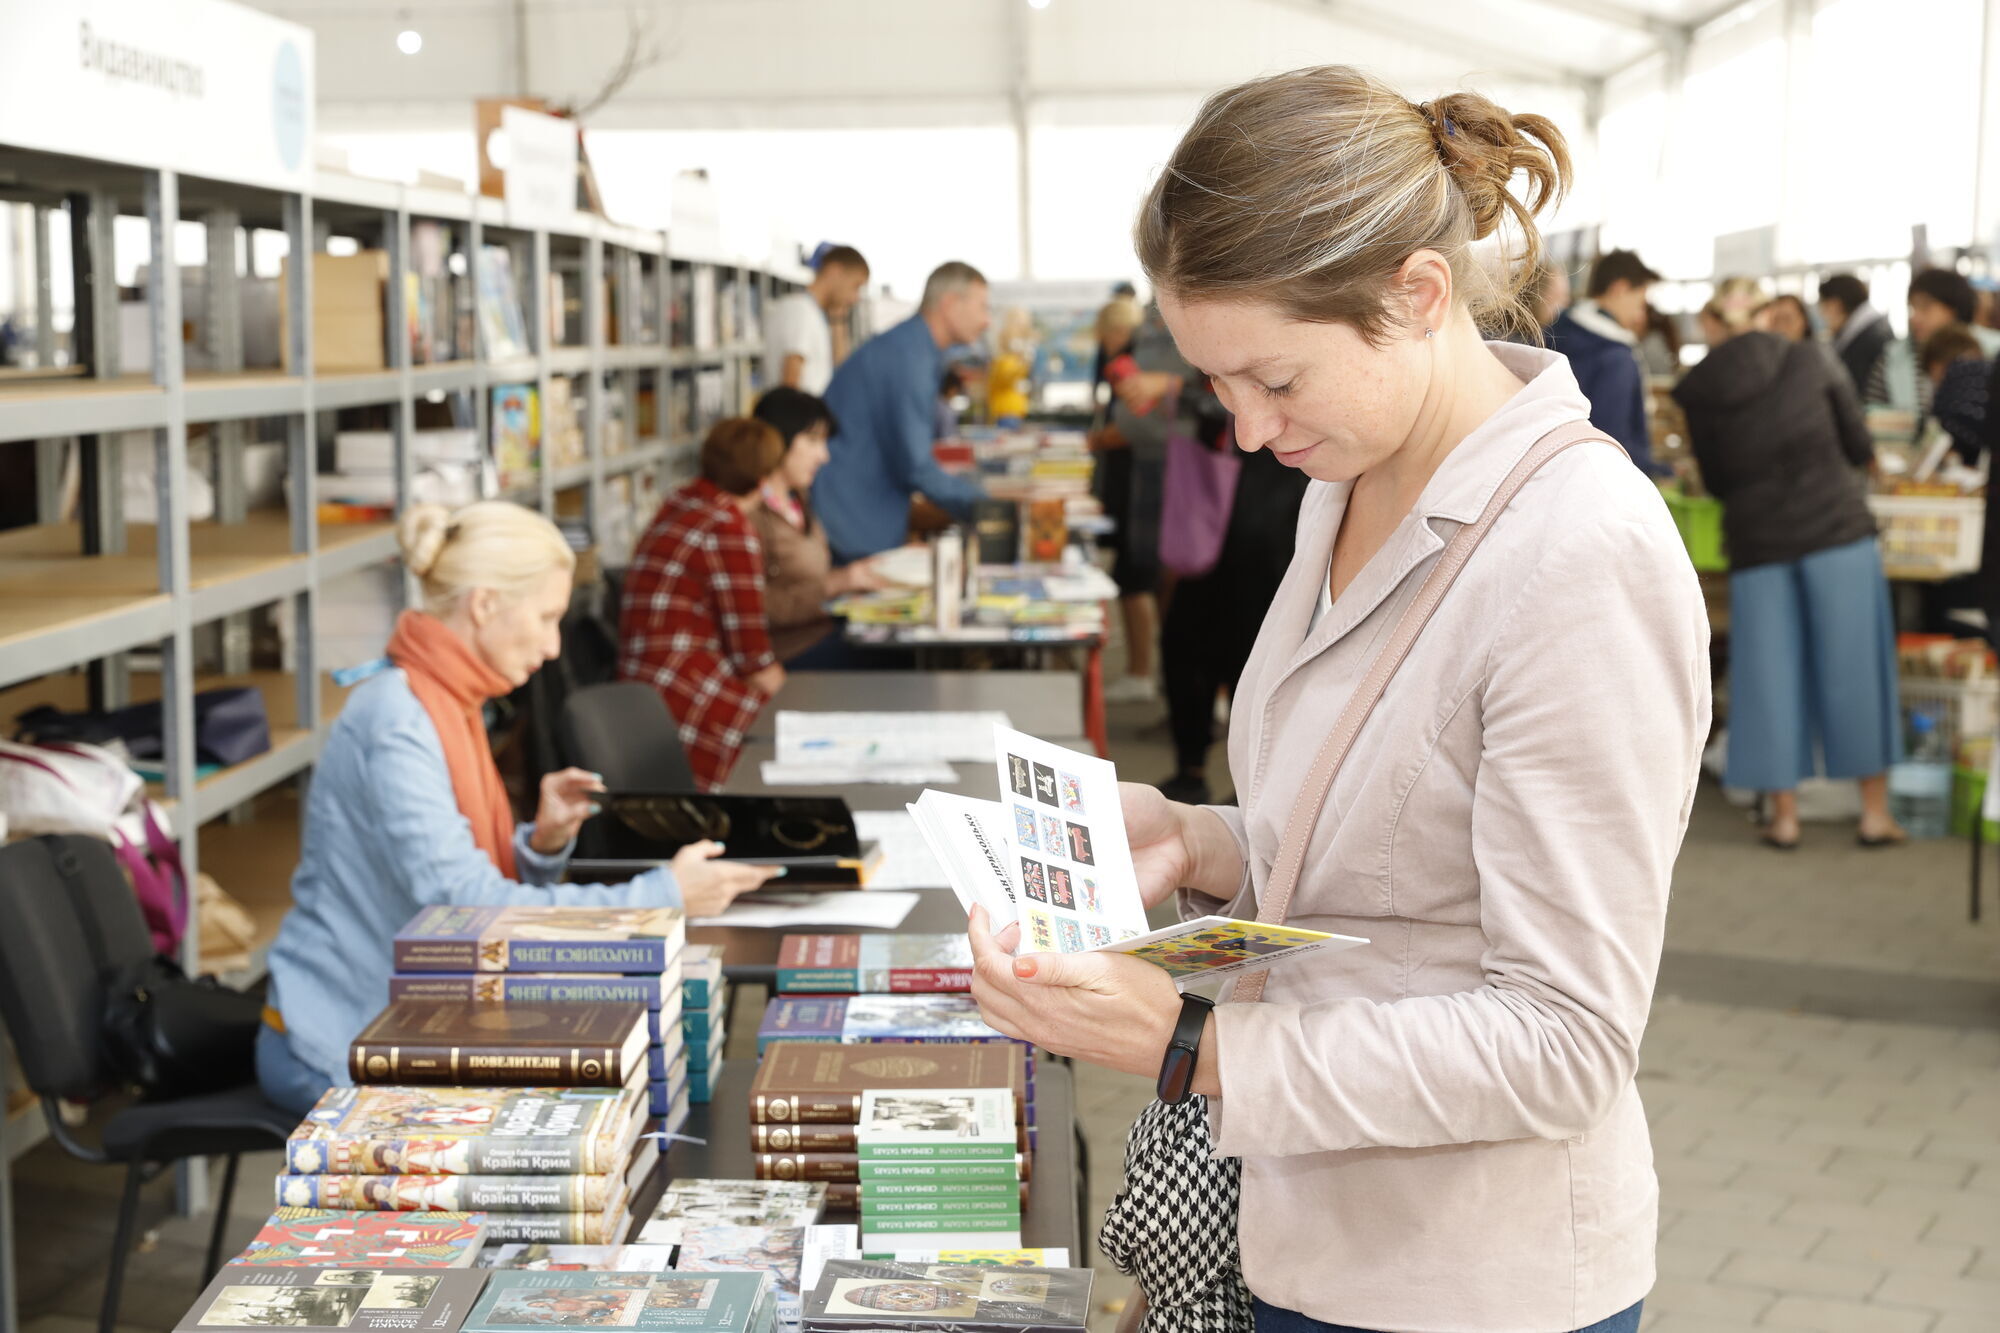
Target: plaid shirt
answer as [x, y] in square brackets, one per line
[692, 623]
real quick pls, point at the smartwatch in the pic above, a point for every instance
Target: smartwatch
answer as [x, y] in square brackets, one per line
[1183, 1049]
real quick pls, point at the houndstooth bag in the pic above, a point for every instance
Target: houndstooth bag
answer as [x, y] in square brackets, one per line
[1173, 1225]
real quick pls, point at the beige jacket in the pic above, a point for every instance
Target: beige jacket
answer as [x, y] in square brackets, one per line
[1440, 1132]
[796, 566]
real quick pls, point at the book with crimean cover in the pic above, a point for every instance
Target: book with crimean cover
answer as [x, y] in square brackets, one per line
[468, 1131]
[632, 941]
[686, 1302]
[335, 1238]
[536, 987]
[847, 1168]
[941, 1124]
[806, 1083]
[853, 1295]
[605, 1228]
[493, 1194]
[467, 1044]
[245, 1297]
[856, 964]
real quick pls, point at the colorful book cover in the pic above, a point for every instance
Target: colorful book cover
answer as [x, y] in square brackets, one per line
[535, 988]
[802, 1018]
[631, 941]
[915, 1018]
[690, 1205]
[338, 1238]
[497, 1194]
[779, 1251]
[578, 1258]
[708, 1303]
[953, 1124]
[516, 432]
[463, 1043]
[467, 1131]
[855, 964]
[861, 1294]
[244, 1297]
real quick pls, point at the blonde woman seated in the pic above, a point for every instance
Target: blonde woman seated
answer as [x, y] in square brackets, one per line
[407, 809]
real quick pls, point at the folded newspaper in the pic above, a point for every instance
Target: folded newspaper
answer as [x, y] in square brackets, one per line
[1052, 856]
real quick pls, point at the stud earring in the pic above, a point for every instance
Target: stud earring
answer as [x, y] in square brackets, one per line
[1428, 332]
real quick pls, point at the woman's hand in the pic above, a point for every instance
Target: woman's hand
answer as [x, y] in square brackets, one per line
[1158, 837]
[1146, 388]
[1107, 1008]
[861, 576]
[708, 885]
[568, 798]
[768, 681]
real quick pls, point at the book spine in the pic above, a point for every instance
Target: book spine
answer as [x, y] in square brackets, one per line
[508, 1194]
[806, 1166]
[526, 988]
[870, 1172]
[538, 1156]
[945, 1152]
[847, 1196]
[874, 1209]
[929, 980]
[487, 1066]
[802, 1138]
[812, 1108]
[764, 1039]
[818, 980]
[874, 1190]
[605, 1228]
[425, 954]
[944, 1222]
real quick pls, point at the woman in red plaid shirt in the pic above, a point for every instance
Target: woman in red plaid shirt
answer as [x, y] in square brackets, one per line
[692, 621]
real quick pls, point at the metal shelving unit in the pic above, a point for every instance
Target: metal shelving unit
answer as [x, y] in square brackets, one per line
[87, 594]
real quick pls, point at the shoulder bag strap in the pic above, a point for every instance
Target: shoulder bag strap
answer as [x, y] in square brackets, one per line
[1276, 900]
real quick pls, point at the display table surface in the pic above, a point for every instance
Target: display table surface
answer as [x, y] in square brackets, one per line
[1041, 703]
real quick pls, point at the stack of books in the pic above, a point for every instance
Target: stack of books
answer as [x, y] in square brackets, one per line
[554, 1165]
[874, 964]
[704, 1011]
[853, 1295]
[580, 955]
[854, 1019]
[952, 1132]
[347, 1238]
[806, 1124]
[447, 468]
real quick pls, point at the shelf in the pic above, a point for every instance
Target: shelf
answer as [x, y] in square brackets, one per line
[232, 566]
[444, 376]
[638, 357]
[44, 408]
[357, 388]
[651, 454]
[569, 360]
[512, 370]
[49, 632]
[346, 547]
[567, 477]
[250, 393]
[697, 356]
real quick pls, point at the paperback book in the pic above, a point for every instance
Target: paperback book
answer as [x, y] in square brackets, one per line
[1052, 857]
[578, 1258]
[779, 1251]
[853, 964]
[468, 1044]
[334, 1238]
[631, 941]
[965, 1298]
[692, 1205]
[385, 1297]
[808, 1083]
[468, 1131]
[851, 1168]
[709, 1303]
[955, 1124]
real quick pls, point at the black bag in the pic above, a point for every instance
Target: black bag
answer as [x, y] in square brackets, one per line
[230, 726]
[172, 1036]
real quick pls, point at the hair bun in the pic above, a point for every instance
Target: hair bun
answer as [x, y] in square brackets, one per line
[421, 534]
[1483, 146]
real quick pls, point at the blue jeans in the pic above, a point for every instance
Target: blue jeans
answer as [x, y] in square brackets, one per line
[288, 1081]
[1271, 1319]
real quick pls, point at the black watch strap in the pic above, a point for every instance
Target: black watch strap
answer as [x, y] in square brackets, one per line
[1184, 1049]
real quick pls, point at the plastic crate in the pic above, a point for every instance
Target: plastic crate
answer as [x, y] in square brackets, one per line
[1699, 519]
[1967, 711]
[1929, 536]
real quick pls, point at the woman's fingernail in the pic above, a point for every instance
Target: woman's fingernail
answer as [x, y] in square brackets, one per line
[596, 809]
[781, 872]
[719, 849]
[1024, 967]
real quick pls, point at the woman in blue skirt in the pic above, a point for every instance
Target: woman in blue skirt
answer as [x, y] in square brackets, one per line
[1812, 644]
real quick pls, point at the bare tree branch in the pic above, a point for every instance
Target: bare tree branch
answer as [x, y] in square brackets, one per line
[641, 54]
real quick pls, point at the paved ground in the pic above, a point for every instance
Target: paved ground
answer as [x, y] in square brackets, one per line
[1822, 1072]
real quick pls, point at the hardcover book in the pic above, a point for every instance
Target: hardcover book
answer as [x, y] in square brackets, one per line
[240, 1297]
[605, 1228]
[802, 1018]
[850, 1196]
[806, 1083]
[915, 1018]
[955, 1124]
[333, 1238]
[464, 1043]
[578, 1258]
[942, 1173]
[967, 1298]
[707, 1303]
[701, 975]
[492, 1194]
[535, 987]
[690, 1205]
[631, 941]
[468, 1131]
[828, 1138]
[853, 964]
[1003, 1206]
[847, 1168]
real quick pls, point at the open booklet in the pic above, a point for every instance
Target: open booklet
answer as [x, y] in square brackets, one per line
[1052, 855]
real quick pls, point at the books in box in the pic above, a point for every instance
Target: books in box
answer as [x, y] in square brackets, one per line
[966, 1298]
[807, 1083]
[468, 1131]
[338, 1238]
[690, 1204]
[244, 1297]
[693, 1303]
[631, 941]
[464, 1043]
[852, 964]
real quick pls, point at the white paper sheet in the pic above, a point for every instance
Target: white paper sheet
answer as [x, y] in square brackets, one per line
[881, 911]
[844, 772]
[888, 737]
[907, 862]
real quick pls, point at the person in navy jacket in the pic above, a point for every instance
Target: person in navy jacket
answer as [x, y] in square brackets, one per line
[1600, 336]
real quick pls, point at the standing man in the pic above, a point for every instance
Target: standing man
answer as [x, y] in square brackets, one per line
[1600, 336]
[884, 398]
[1859, 331]
[801, 324]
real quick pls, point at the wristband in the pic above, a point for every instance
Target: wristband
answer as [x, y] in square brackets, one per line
[1184, 1049]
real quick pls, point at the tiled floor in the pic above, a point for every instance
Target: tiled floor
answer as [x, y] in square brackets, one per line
[1822, 1072]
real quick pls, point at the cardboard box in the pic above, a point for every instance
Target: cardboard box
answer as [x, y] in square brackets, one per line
[348, 324]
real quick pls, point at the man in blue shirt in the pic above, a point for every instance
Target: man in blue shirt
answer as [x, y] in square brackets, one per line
[884, 397]
[1600, 336]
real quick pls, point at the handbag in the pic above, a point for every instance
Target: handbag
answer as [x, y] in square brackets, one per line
[230, 727]
[1173, 1224]
[1197, 492]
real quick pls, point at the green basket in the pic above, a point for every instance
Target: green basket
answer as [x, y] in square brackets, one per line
[1968, 791]
[1699, 519]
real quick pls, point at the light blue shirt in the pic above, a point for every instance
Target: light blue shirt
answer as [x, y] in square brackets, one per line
[885, 398]
[383, 838]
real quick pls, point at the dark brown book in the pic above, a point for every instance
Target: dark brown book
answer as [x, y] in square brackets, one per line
[817, 1083]
[845, 1168]
[820, 1138]
[461, 1043]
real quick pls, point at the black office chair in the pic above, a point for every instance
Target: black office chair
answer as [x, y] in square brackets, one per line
[623, 732]
[52, 999]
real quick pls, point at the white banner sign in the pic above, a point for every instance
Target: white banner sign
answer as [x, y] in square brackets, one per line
[539, 162]
[203, 87]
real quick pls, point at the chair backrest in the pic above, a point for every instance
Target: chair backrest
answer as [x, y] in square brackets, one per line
[67, 920]
[623, 732]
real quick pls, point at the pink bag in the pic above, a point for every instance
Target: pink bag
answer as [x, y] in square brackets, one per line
[1196, 494]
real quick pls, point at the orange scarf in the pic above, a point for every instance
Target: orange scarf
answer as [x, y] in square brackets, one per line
[453, 685]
